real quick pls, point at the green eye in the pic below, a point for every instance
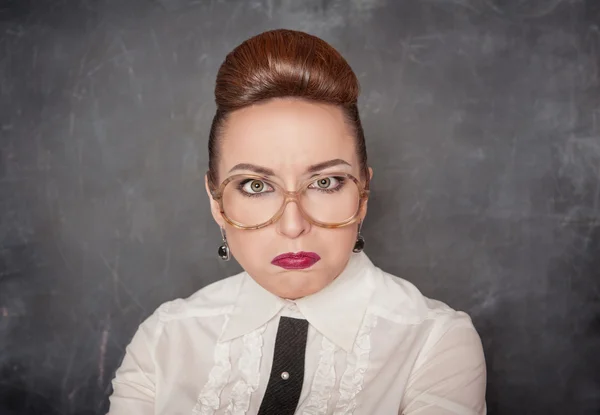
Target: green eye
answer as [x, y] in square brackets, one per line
[324, 183]
[254, 187]
[257, 186]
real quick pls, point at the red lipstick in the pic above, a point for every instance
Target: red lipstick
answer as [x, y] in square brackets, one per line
[299, 260]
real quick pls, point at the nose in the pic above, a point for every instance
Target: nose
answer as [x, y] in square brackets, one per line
[292, 224]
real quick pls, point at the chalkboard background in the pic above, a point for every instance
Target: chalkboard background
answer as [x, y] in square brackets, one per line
[483, 128]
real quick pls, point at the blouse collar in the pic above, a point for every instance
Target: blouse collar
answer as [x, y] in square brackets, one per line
[336, 311]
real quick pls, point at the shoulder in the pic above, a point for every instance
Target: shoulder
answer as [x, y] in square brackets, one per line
[440, 326]
[400, 301]
[215, 299]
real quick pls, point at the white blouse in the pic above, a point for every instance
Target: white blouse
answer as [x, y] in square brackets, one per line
[375, 345]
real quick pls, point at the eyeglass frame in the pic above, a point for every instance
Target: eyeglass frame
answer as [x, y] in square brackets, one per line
[290, 196]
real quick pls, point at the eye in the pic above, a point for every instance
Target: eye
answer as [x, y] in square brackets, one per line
[254, 186]
[327, 183]
[324, 183]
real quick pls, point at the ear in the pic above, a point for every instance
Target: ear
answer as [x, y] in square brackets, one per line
[363, 212]
[214, 205]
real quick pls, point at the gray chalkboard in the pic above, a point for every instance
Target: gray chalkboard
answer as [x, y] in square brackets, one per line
[483, 129]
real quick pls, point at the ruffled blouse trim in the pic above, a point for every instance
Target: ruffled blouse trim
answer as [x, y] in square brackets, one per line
[249, 366]
[358, 362]
[323, 381]
[209, 398]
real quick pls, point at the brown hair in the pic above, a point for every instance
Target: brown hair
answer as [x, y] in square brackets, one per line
[284, 63]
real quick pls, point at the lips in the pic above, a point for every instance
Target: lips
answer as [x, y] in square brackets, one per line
[299, 260]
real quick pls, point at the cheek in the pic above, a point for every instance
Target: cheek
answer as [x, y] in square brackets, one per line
[339, 238]
[253, 250]
[246, 244]
[338, 244]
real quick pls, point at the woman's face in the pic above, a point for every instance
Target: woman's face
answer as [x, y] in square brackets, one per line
[288, 136]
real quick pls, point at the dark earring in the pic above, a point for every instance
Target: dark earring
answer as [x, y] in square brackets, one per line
[359, 245]
[224, 248]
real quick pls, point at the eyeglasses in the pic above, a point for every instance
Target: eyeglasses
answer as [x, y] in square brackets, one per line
[332, 200]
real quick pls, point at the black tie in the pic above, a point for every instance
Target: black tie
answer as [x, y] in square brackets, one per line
[287, 373]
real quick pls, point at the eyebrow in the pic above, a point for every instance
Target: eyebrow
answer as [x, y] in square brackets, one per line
[269, 172]
[253, 167]
[326, 164]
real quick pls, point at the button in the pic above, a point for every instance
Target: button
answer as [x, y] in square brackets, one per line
[285, 376]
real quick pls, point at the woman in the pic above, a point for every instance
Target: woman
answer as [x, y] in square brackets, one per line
[311, 326]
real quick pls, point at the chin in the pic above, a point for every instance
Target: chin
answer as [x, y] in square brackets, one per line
[295, 291]
[295, 295]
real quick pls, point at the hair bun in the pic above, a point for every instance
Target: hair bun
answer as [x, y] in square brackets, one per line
[284, 63]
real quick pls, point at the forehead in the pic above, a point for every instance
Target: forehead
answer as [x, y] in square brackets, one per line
[286, 135]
